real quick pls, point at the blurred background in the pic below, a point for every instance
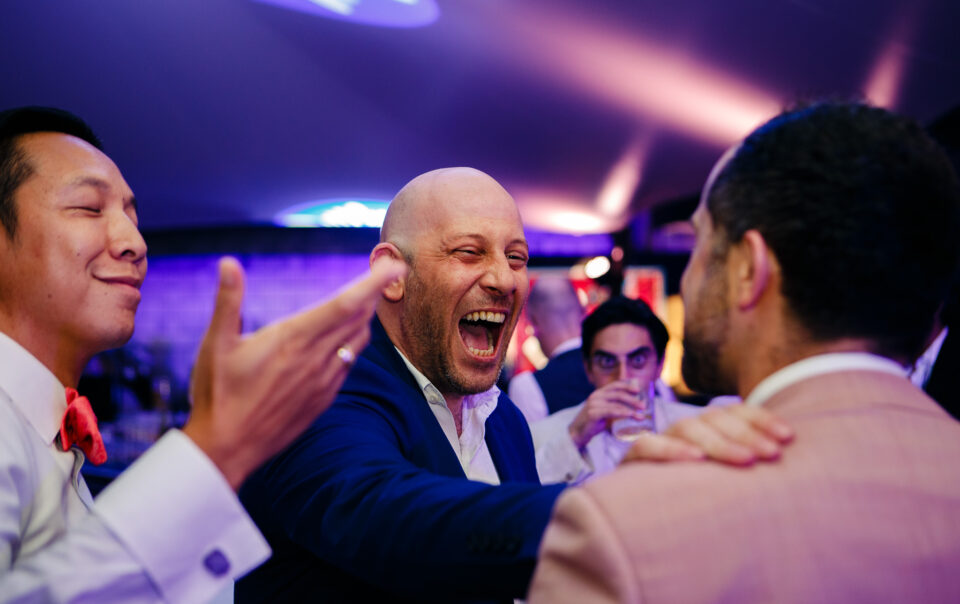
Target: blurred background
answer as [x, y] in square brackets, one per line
[277, 130]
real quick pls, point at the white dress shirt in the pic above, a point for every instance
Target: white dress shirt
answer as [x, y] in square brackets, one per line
[525, 391]
[559, 460]
[469, 446]
[169, 529]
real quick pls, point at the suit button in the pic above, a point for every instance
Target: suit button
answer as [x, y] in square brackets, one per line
[216, 563]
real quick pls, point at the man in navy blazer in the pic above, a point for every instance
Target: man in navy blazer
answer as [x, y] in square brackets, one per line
[419, 484]
[372, 502]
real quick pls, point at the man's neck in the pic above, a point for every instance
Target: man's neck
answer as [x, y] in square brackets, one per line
[455, 405]
[776, 358]
[57, 355]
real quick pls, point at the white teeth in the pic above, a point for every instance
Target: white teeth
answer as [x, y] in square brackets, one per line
[482, 315]
[482, 353]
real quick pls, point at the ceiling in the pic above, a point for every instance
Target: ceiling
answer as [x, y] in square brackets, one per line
[225, 112]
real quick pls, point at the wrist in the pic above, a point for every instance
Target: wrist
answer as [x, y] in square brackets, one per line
[234, 470]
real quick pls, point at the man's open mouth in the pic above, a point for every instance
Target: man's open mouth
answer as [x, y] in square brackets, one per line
[480, 331]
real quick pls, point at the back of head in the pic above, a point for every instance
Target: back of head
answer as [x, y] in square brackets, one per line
[15, 167]
[554, 300]
[618, 310]
[861, 209]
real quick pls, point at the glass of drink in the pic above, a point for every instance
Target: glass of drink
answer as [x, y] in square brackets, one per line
[629, 429]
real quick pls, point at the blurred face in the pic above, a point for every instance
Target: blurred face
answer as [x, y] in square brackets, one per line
[623, 351]
[467, 284]
[70, 281]
[704, 291]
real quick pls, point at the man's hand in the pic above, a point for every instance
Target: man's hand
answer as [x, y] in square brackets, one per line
[615, 400]
[253, 394]
[733, 434]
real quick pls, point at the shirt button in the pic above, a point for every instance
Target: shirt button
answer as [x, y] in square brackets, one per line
[216, 563]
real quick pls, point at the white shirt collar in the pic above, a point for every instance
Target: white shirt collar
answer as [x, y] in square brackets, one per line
[566, 346]
[480, 400]
[819, 365]
[32, 388]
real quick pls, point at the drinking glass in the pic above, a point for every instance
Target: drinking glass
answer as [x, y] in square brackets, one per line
[629, 429]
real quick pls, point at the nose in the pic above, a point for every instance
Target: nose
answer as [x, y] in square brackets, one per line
[622, 371]
[500, 278]
[125, 240]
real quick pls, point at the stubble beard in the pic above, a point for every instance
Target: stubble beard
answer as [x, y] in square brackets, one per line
[424, 329]
[704, 338]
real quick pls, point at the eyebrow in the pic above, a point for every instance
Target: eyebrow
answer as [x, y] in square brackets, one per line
[481, 238]
[632, 353]
[100, 184]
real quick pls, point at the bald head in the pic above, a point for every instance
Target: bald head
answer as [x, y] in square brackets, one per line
[554, 311]
[428, 201]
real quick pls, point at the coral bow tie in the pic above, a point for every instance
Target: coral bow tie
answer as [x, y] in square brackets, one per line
[80, 428]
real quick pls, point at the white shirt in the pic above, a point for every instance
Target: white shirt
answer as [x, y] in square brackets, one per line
[169, 529]
[819, 365]
[470, 446]
[525, 391]
[559, 460]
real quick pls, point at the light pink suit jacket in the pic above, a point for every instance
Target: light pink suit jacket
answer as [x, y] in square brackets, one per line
[864, 506]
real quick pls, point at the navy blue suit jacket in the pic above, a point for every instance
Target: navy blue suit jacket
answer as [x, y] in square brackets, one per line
[563, 381]
[371, 503]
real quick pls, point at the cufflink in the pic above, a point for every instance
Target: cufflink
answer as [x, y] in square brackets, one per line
[216, 563]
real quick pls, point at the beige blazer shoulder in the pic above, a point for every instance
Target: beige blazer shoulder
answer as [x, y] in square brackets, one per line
[864, 506]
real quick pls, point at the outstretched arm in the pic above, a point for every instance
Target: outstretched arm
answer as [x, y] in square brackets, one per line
[252, 395]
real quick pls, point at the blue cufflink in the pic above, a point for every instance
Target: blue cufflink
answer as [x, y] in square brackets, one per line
[216, 563]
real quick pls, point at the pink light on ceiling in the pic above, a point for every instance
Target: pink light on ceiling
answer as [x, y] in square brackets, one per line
[886, 79]
[884, 83]
[641, 77]
[559, 212]
[624, 178]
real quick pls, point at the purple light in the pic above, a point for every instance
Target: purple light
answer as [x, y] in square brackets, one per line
[383, 13]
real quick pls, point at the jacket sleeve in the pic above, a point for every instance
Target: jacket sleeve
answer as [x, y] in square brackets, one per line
[348, 492]
[582, 559]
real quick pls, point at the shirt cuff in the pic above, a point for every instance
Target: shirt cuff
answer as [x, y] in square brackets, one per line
[559, 460]
[176, 513]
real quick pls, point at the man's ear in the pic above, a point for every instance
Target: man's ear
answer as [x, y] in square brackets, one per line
[394, 291]
[753, 268]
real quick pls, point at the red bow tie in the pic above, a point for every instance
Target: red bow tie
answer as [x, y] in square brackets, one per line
[80, 428]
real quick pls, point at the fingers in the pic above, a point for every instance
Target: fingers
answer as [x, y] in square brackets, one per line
[351, 307]
[225, 323]
[660, 447]
[736, 434]
[367, 288]
[765, 422]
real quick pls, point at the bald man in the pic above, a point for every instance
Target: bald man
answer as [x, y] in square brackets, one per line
[554, 312]
[420, 482]
[373, 504]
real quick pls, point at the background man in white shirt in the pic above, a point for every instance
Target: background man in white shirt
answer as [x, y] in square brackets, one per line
[824, 244]
[623, 349]
[170, 529]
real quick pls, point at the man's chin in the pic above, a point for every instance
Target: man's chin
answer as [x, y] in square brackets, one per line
[469, 381]
[703, 378]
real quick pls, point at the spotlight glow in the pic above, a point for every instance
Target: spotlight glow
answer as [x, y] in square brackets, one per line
[597, 267]
[384, 13]
[640, 75]
[335, 213]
